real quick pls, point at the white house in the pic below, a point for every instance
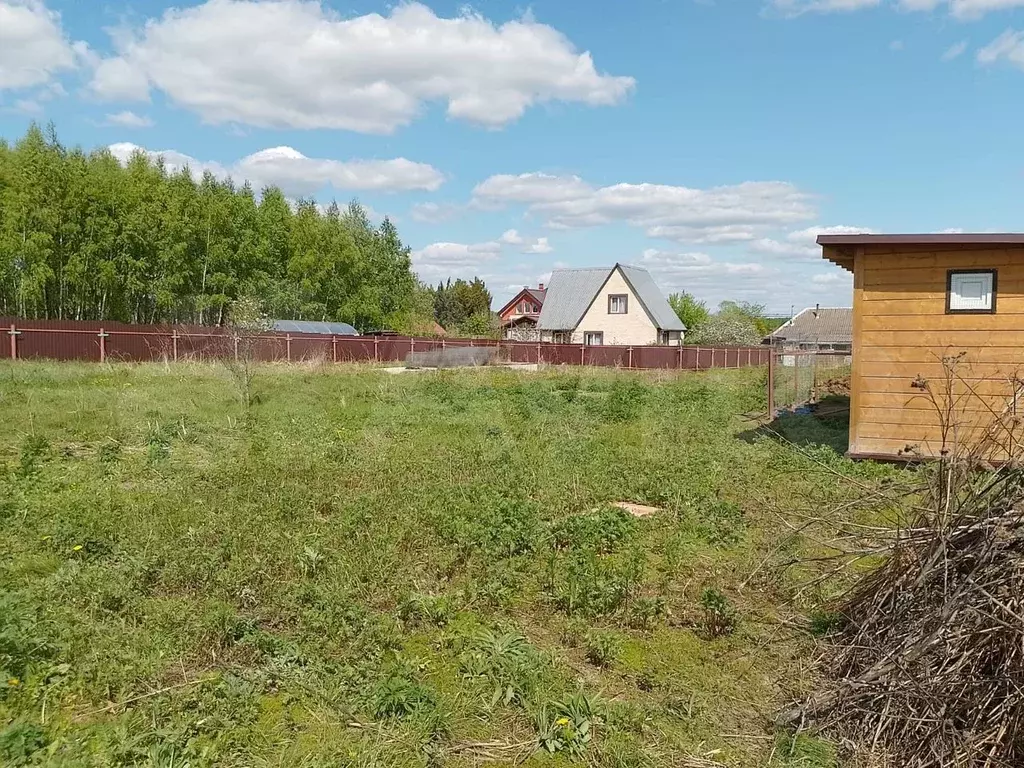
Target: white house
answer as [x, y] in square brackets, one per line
[607, 305]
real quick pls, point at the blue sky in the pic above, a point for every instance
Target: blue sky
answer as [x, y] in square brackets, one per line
[708, 141]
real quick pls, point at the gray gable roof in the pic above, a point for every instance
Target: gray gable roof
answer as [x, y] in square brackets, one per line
[822, 325]
[313, 326]
[644, 286]
[571, 292]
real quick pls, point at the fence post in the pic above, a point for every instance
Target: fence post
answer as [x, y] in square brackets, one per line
[174, 344]
[288, 347]
[412, 345]
[796, 381]
[629, 358]
[14, 333]
[235, 338]
[103, 345]
[538, 353]
[583, 350]
[771, 383]
[442, 343]
[679, 358]
[334, 348]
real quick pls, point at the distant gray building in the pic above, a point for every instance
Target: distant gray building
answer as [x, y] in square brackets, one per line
[825, 329]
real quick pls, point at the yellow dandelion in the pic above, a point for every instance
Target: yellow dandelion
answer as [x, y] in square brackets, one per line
[46, 538]
[14, 682]
[562, 721]
[76, 548]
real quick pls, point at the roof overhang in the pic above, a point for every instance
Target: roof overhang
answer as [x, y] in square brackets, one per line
[841, 249]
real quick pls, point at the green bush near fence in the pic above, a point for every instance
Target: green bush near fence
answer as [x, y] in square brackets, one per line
[365, 570]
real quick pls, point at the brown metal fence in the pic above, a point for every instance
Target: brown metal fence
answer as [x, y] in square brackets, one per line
[103, 341]
[801, 377]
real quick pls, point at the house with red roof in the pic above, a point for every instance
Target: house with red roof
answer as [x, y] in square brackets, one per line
[519, 317]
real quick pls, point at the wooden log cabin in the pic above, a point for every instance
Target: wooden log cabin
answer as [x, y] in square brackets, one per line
[938, 342]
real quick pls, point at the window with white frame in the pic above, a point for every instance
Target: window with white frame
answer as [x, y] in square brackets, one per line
[618, 304]
[971, 291]
[593, 338]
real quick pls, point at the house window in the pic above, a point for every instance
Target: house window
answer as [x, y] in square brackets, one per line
[971, 291]
[618, 304]
[593, 338]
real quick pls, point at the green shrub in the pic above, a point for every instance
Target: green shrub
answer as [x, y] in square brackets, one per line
[507, 662]
[425, 609]
[588, 585]
[603, 648]
[644, 611]
[625, 400]
[34, 449]
[719, 616]
[602, 531]
[568, 725]
[19, 741]
[399, 695]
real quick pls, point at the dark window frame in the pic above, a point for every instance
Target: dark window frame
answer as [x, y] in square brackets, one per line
[625, 303]
[949, 291]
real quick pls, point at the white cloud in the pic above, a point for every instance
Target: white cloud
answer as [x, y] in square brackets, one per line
[896, 45]
[720, 214]
[297, 64]
[173, 160]
[33, 47]
[1008, 46]
[838, 277]
[444, 260]
[708, 278]
[959, 9]
[540, 245]
[800, 7]
[975, 9]
[435, 213]
[802, 243]
[526, 244]
[128, 119]
[28, 106]
[954, 51]
[301, 176]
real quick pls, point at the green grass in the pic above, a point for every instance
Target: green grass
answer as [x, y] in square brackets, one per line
[374, 570]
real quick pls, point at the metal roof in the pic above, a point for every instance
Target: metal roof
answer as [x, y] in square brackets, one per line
[644, 286]
[310, 326]
[822, 325]
[946, 238]
[571, 292]
[538, 293]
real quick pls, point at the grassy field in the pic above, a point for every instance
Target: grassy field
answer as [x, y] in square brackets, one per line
[416, 570]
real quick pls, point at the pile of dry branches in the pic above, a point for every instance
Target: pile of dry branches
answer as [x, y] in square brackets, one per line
[928, 668]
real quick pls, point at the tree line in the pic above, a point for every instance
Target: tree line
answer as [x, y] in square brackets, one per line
[465, 307]
[83, 237]
[735, 322]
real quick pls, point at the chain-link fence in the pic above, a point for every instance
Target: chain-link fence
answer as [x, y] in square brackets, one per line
[797, 378]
